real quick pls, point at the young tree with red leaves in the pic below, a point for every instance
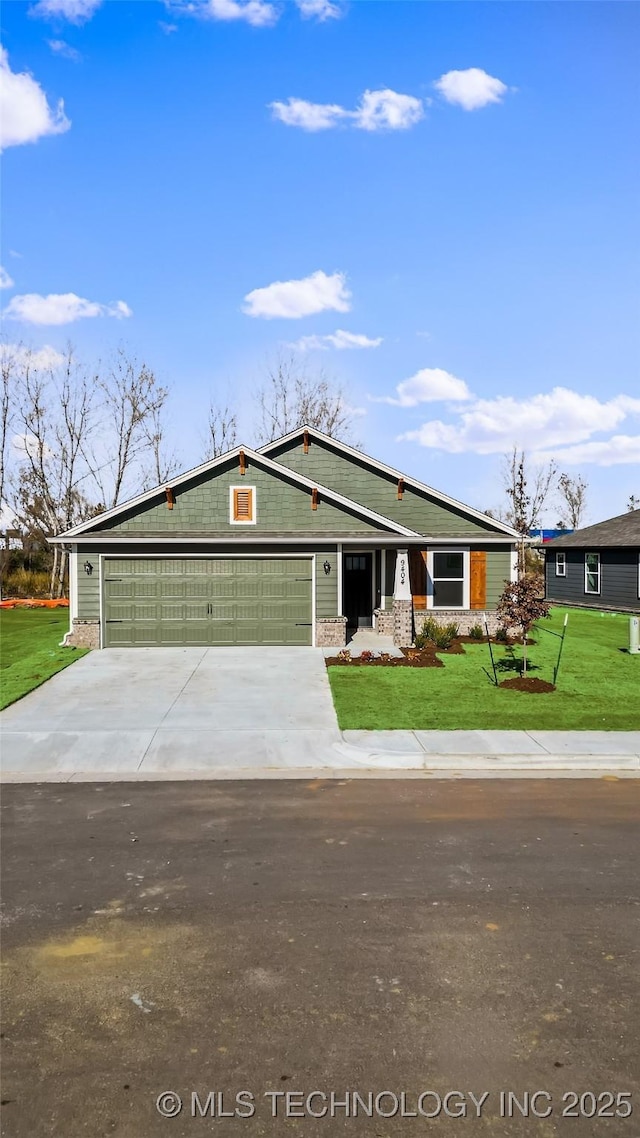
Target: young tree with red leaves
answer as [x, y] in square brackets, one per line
[520, 606]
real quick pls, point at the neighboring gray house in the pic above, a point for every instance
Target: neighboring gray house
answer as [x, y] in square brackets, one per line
[598, 566]
[297, 543]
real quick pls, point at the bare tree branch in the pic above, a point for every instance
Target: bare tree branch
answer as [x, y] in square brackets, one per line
[292, 397]
[527, 491]
[164, 463]
[574, 493]
[131, 398]
[222, 433]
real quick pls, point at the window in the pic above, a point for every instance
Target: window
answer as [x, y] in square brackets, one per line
[242, 505]
[561, 564]
[592, 572]
[355, 564]
[448, 580]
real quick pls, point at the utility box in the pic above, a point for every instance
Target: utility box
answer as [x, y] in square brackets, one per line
[634, 634]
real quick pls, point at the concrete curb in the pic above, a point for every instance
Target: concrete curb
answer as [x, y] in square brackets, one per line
[556, 768]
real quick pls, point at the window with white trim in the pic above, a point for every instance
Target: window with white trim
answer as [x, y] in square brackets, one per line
[592, 572]
[447, 577]
[242, 505]
[561, 564]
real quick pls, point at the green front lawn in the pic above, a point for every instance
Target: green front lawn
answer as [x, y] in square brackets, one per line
[598, 686]
[30, 651]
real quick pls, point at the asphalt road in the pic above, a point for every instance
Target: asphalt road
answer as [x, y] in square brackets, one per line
[283, 938]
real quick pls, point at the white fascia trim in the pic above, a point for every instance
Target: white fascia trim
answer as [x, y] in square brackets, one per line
[261, 459]
[353, 453]
[418, 541]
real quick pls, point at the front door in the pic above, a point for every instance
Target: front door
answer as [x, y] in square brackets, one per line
[358, 605]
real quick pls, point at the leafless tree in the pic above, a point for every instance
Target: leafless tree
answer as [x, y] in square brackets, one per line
[291, 396]
[8, 377]
[222, 431]
[574, 493]
[131, 400]
[527, 489]
[54, 417]
[164, 462]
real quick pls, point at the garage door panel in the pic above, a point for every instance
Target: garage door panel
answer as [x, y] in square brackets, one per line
[207, 601]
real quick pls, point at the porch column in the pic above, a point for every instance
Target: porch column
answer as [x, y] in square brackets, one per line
[402, 605]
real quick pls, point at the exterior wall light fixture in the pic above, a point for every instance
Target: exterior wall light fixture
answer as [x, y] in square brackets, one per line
[327, 567]
[88, 568]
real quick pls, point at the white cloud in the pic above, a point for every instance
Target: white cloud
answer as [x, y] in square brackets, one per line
[540, 424]
[61, 47]
[470, 89]
[377, 110]
[45, 357]
[430, 385]
[616, 451]
[258, 13]
[308, 116]
[387, 110]
[340, 340]
[5, 280]
[75, 11]
[60, 308]
[293, 299]
[319, 9]
[25, 114]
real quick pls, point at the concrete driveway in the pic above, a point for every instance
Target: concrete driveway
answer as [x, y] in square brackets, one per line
[126, 710]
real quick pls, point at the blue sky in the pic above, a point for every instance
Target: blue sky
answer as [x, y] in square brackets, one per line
[472, 223]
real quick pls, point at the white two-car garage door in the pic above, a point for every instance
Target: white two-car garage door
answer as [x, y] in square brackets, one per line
[207, 601]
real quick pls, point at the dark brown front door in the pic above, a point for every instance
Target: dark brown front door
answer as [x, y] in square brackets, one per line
[357, 590]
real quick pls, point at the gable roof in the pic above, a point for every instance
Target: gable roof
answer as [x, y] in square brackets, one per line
[261, 460]
[621, 530]
[374, 464]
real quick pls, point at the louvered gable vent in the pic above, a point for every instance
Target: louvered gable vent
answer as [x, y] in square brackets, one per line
[243, 504]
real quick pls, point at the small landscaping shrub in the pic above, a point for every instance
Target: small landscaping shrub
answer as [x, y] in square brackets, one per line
[367, 656]
[428, 633]
[385, 657]
[502, 636]
[445, 635]
[476, 632]
[344, 656]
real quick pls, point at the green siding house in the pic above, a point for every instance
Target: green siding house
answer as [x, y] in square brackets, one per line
[299, 543]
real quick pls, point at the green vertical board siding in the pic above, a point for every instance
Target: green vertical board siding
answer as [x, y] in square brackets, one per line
[201, 506]
[207, 601]
[378, 491]
[498, 572]
[326, 585]
[88, 586]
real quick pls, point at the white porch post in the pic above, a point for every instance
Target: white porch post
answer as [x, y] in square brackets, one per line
[402, 606]
[402, 588]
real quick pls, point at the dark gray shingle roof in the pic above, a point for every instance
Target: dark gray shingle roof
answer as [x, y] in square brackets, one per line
[623, 530]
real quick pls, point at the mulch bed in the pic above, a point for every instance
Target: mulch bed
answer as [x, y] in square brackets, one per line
[424, 659]
[528, 683]
[429, 657]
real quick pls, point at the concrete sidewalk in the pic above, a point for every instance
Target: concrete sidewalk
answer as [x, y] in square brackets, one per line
[253, 754]
[198, 713]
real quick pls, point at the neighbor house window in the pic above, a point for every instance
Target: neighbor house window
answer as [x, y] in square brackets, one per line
[592, 572]
[561, 564]
[448, 580]
[242, 505]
